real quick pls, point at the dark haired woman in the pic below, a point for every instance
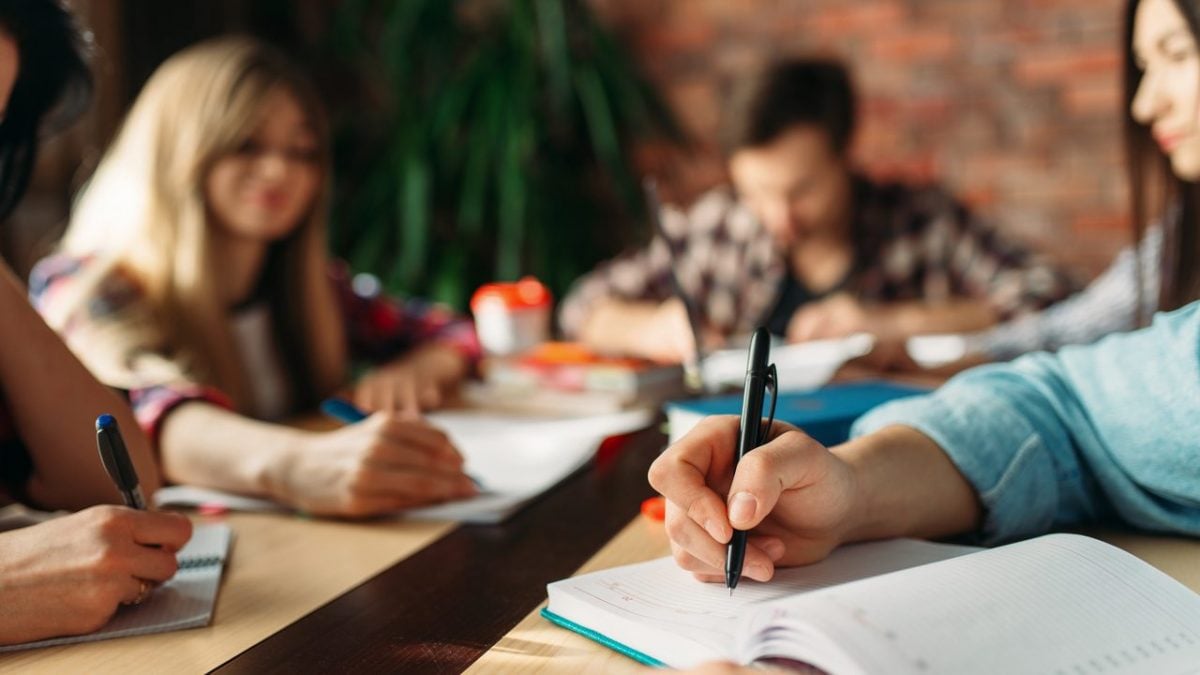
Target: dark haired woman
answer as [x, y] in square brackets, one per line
[66, 576]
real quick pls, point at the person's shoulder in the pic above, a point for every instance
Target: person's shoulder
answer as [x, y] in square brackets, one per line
[108, 286]
[927, 198]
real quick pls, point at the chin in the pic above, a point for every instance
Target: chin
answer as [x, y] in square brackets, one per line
[1186, 165]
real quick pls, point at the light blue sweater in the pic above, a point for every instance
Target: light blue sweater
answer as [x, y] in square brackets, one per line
[1096, 432]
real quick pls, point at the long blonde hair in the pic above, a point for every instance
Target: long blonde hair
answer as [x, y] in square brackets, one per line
[144, 212]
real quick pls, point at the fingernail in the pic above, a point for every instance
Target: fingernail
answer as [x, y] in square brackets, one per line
[714, 530]
[742, 507]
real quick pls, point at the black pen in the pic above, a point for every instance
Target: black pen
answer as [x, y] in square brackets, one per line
[116, 461]
[692, 373]
[759, 376]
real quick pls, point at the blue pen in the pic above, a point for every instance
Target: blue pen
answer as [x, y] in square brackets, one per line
[115, 458]
[342, 410]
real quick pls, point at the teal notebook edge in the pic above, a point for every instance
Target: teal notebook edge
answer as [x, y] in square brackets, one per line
[601, 638]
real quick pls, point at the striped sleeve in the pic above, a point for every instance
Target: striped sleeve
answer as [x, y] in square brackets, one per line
[1108, 305]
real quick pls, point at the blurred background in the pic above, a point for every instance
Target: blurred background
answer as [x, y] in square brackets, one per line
[485, 139]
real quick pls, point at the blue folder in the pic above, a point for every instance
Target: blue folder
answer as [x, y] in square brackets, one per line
[825, 414]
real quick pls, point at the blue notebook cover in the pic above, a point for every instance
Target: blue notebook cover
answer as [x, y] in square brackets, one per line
[826, 414]
[602, 639]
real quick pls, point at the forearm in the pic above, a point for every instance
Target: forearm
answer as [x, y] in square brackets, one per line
[203, 444]
[614, 326]
[905, 319]
[54, 402]
[906, 486]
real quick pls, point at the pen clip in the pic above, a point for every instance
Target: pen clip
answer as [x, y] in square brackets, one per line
[773, 386]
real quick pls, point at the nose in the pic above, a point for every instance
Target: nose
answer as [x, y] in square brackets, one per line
[776, 215]
[1148, 103]
[272, 165]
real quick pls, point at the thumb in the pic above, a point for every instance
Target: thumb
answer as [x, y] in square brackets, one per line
[791, 461]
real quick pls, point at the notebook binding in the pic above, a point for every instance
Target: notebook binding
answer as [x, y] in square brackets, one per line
[196, 563]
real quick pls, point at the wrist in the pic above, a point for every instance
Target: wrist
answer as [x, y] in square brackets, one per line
[869, 516]
[276, 477]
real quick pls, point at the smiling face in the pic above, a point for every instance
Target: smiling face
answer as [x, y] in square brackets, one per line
[263, 189]
[1167, 99]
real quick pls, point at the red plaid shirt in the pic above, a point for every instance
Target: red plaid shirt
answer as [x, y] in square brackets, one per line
[378, 328]
[910, 244]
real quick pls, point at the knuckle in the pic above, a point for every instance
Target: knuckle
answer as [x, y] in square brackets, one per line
[677, 529]
[659, 472]
[682, 558]
[360, 479]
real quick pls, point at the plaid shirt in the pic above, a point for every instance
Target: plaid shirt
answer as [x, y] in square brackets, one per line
[910, 244]
[378, 328]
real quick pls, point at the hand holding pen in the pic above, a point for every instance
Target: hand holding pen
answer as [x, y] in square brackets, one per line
[793, 499]
[151, 530]
[760, 376]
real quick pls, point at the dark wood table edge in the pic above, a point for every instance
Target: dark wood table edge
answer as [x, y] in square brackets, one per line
[462, 593]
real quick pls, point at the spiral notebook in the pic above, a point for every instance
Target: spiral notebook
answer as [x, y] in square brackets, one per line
[186, 601]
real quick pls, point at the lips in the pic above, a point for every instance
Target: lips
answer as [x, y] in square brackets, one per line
[1168, 141]
[270, 199]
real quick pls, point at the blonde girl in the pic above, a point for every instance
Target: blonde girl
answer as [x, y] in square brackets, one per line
[194, 275]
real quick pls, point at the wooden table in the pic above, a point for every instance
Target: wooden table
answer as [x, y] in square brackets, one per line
[394, 596]
[442, 608]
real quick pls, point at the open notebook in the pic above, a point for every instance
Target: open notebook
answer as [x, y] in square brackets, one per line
[513, 458]
[1060, 603]
[186, 601]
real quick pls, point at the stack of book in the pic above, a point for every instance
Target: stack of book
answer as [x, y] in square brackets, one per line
[567, 377]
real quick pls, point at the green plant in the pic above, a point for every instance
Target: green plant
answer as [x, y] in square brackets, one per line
[497, 147]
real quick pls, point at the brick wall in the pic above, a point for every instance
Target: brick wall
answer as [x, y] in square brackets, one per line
[1014, 104]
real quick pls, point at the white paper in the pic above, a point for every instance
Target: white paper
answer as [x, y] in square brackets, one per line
[1061, 603]
[514, 459]
[801, 367]
[663, 612]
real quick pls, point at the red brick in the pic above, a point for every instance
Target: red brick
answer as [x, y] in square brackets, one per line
[1065, 64]
[915, 45]
[857, 16]
[1089, 98]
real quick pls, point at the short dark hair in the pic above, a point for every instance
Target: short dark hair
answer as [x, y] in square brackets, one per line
[803, 91]
[53, 86]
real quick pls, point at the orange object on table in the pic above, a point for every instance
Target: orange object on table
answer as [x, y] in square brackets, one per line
[655, 508]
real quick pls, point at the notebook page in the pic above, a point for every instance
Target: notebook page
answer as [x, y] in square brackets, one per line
[1060, 604]
[186, 601]
[662, 611]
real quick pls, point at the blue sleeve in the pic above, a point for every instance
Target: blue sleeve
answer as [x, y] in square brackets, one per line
[1106, 430]
[1008, 430]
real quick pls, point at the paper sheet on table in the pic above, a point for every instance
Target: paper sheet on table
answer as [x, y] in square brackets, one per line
[514, 459]
[803, 366]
